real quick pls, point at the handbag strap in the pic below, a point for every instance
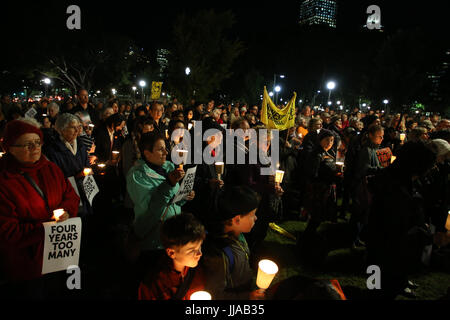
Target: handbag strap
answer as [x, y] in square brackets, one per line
[36, 187]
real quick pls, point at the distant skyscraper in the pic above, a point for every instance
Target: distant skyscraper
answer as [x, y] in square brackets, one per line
[318, 12]
[162, 57]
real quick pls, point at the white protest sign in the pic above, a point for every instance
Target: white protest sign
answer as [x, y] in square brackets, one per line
[186, 185]
[61, 245]
[224, 125]
[90, 188]
[30, 113]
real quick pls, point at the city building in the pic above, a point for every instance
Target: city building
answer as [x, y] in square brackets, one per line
[318, 12]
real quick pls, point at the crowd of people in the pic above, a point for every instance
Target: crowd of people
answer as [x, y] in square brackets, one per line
[389, 171]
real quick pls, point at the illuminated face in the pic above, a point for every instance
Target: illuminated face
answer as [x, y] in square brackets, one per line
[377, 137]
[83, 97]
[244, 224]
[158, 155]
[70, 133]
[46, 123]
[187, 255]
[190, 114]
[157, 112]
[327, 143]
[27, 148]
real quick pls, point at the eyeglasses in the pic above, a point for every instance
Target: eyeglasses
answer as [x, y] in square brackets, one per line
[29, 145]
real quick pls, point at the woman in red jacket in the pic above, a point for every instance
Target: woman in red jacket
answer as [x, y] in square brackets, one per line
[23, 209]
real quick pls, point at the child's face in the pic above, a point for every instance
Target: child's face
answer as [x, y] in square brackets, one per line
[187, 255]
[247, 222]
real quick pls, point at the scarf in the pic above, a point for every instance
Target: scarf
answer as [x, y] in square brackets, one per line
[72, 148]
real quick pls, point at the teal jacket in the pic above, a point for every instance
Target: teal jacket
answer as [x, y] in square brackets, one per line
[151, 194]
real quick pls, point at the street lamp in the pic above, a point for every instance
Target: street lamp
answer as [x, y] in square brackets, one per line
[187, 71]
[271, 93]
[330, 86]
[47, 81]
[134, 92]
[277, 89]
[385, 101]
[142, 84]
[274, 84]
[114, 91]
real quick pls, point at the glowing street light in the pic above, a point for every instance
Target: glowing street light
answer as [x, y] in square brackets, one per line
[47, 81]
[187, 71]
[114, 91]
[142, 84]
[330, 86]
[134, 92]
[271, 93]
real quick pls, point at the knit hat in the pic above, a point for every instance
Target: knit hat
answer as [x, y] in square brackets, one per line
[15, 129]
[440, 147]
[324, 133]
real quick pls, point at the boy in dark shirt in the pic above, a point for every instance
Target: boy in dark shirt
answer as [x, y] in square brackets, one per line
[176, 275]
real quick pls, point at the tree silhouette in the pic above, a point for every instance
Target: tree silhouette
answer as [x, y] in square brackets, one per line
[200, 42]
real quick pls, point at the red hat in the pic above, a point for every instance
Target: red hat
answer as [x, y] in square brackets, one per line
[16, 128]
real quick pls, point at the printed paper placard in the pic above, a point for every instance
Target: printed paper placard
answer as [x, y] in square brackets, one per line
[186, 185]
[61, 245]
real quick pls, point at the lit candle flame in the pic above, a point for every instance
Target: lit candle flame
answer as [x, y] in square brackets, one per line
[58, 213]
[200, 295]
[266, 272]
[87, 171]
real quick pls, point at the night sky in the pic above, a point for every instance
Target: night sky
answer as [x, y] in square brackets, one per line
[151, 21]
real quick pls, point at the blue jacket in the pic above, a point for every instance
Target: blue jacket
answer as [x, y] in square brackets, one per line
[151, 194]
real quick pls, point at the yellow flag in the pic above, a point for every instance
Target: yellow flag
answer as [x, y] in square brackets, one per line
[276, 118]
[156, 90]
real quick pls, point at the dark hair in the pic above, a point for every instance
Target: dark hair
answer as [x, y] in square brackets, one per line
[236, 200]
[173, 123]
[116, 119]
[374, 129]
[181, 229]
[148, 141]
[415, 158]
[176, 113]
[142, 121]
[139, 109]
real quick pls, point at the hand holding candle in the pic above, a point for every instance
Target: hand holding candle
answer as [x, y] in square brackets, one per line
[60, 215]
[183, 156]
[220, 166]
[279, 176]
[115, 155]
[402, 137]
[87, 171]
[266, 272]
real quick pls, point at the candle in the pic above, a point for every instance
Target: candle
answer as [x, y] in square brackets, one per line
[266, 272]
[44, 115]
[115, 155]
[183, 155]
[402, 136]
[87, 171]
[219, 168]
[167, 134]
[200, 295]
[101, 168]
[1, 154]
[340, 165]
[393, 159]
[190, 125]
[279, 176]
[58, 213]
[91, 125]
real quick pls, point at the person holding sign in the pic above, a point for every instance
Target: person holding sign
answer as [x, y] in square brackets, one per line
[151, 184]
[31, 187]
[69, 153]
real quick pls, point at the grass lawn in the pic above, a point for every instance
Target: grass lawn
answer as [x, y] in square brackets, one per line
[342, 263]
